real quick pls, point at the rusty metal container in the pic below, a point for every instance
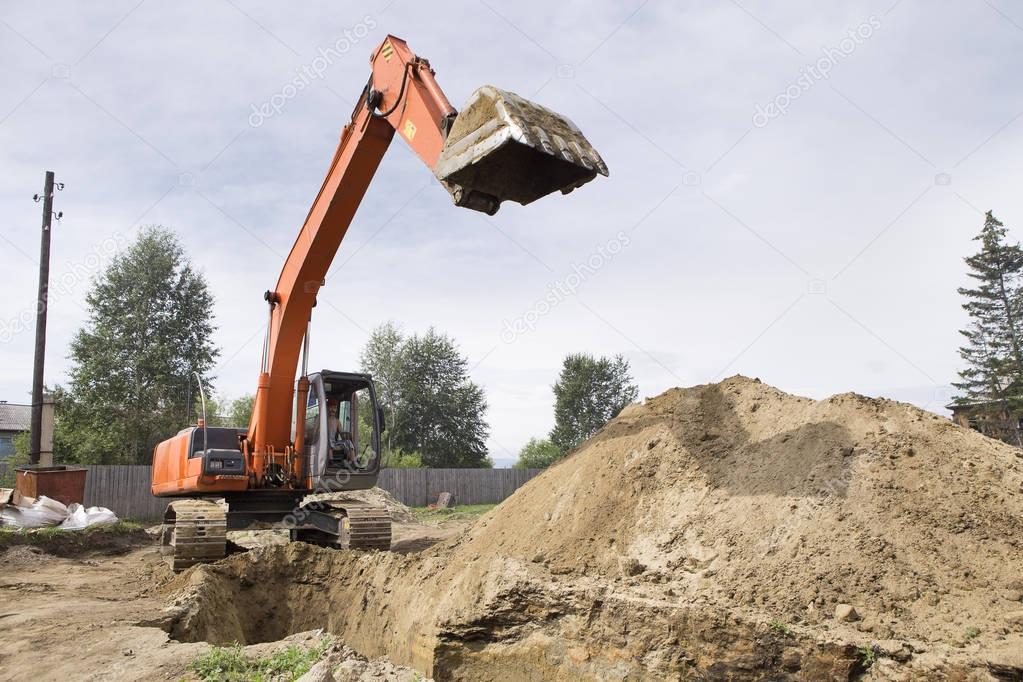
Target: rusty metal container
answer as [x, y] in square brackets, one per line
[61, 483]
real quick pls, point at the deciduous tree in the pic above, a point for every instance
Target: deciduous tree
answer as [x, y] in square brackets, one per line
[588, 394]
[149, 327]
[538, 453]
[432, 407]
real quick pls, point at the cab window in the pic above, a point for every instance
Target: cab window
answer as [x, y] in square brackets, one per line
[312, 421]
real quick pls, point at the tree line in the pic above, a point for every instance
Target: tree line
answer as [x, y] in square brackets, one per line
[149, 326]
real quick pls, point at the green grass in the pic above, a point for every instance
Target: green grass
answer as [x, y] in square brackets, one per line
[120, 527]
[231, 664]
[783, 628]
[460, 512]
[868, 657]
[57, 538]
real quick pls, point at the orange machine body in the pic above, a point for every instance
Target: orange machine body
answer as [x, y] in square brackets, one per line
[176, 473]
[407, 99]
[520, 152]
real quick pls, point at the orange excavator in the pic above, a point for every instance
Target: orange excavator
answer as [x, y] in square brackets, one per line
[323, 435]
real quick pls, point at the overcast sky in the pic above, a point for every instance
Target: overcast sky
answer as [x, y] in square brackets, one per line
[793, 184]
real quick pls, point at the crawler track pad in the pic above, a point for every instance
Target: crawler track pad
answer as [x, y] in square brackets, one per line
[194, 532]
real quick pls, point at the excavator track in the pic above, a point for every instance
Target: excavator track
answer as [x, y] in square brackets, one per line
[194, 532]
[363, 526]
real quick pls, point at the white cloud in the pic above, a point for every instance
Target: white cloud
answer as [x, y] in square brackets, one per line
[840, 189]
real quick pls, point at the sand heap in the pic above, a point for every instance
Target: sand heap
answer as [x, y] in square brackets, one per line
[721, 530]
[377, 497]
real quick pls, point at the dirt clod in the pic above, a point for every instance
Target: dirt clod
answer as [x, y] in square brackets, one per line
[846, 613]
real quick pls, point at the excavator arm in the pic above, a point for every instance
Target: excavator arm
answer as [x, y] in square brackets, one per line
[500, 147]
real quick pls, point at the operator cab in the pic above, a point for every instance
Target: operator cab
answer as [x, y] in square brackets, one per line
[342, 431]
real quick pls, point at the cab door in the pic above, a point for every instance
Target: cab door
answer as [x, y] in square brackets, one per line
[314, 455]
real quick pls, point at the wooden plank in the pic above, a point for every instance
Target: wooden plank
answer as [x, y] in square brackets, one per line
[120, 486]
[127, 494]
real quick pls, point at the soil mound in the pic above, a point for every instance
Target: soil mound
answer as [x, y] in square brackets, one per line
[751, 497]
[727, 530]
[73, 544]
[378, 497]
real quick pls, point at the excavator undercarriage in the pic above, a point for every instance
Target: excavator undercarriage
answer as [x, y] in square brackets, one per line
[195, 531]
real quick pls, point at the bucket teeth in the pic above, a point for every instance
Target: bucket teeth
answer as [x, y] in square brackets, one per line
[504, 147]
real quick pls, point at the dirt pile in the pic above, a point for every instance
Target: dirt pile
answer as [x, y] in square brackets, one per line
[750, 497]
[720, 530]
[118, 538]
[377, 497]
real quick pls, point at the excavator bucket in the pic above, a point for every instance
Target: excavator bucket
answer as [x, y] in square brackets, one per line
[503, 147]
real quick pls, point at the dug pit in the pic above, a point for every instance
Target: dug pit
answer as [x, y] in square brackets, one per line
[716, 531]
[523, 628]
[262, 595]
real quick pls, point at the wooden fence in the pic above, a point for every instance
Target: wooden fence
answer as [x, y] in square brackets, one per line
[125, 489]
[420, 487]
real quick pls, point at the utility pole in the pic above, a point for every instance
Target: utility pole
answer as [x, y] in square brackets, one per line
[35, 436]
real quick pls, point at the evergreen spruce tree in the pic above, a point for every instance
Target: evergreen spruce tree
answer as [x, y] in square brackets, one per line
[993, 374]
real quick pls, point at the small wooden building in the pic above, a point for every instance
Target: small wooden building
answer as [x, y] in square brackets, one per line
[992, 418]
[14, 419]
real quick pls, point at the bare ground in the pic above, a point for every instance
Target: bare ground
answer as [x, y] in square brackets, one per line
[100, 614]
[727, 531]
[77, 618]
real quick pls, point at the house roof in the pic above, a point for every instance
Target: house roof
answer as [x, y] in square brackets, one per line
[15, 417]
[978, 404]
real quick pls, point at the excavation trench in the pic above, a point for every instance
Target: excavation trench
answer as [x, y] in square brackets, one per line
[524, 628]
[264, 595]
[712, 532]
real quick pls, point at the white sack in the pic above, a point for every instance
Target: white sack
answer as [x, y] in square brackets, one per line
[43, 512]
[79, 517]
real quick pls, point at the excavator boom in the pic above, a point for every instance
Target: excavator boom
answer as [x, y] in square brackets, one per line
[500, 147]
[326, 434]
